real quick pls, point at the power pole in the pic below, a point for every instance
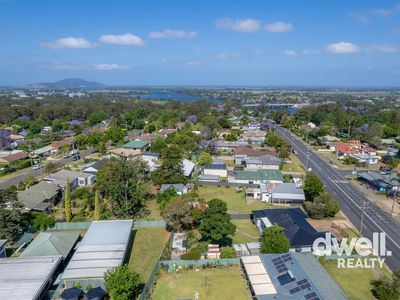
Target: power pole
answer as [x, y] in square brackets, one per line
[362, 216]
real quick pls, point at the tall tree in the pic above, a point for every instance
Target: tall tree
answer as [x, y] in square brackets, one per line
[67, 201]
[216, 223]
[178, 215]
[313, 186]
[97, 210]
[274, 240]
[10, 215]
[122, 283]
[171, 169]
[123, 182]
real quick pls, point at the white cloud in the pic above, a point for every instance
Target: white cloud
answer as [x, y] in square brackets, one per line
[290, 53]
[109, 67]
[383, 48]
[85, 67]
[172, 34]
[224, 55]
[243, 25]
[342, 48]
[194, 62]
[279, 27]
[69, 42]
[122, 39]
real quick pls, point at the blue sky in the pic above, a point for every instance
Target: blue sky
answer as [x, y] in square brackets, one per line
[323, 43]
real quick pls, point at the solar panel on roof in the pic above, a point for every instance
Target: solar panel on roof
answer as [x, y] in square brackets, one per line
[311, 295]
[295, 290]
[305, 286]
[300, 282]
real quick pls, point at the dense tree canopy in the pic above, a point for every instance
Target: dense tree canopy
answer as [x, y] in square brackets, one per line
[274, 240]
[10, 215]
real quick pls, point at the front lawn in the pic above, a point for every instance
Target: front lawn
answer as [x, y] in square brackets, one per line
[148, 244]
[246, 232]
[295, 166]
[211, 284]
[356, 283]
[236, 201]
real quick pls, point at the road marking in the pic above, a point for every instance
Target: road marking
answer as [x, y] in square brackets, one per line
[350, 198]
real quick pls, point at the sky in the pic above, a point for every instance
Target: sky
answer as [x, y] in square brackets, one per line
[182, 42]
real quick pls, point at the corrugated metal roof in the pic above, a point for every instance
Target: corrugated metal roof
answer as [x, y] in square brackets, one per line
[24, 278]
[102, 248]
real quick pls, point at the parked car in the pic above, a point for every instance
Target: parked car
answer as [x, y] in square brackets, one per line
[37, 167]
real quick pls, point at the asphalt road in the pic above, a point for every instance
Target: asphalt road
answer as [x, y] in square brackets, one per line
[351, 200]
[36, 173]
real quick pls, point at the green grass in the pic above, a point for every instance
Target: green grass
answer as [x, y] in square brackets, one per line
[148, 245]
[295, 166]
[236, 202]
[356, 283]
[246, 232]
[211, 284]
[154, 210]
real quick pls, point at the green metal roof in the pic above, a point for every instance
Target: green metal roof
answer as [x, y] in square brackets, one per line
[52, 243]
[260, 175]
[136, 144]
[42, 150]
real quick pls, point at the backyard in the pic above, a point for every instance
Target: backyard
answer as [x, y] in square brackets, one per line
[211, 284]
[246, 232]
[148, 244]
[236, 201]
[355, 282]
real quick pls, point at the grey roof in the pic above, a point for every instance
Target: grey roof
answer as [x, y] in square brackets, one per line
[380, 179]
[25, 278]
[149, 153]
[34, 196]
[3, 243]
[308, 277]
[98, 165]
[215, 166]
[103, 247]
[52, 243]
[264, 160]
[188, 167]
[288, 191]
[209, 177]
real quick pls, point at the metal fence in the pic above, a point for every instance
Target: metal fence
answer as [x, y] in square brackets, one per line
[85, 225]
[152, 278]
[200, 262]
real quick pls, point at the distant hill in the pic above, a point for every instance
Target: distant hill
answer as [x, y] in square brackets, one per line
[70, 83]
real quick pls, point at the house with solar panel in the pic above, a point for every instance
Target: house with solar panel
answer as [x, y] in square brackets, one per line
[289, 276]
[300, 233]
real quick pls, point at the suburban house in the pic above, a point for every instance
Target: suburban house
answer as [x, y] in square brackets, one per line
[104, 246]
[179, 188]
[7, 157]
[355, 149]
[125, 153]
[76, 179]
[52, 243]
[137, 145]
[289, 276]
[381, 181]
[285, 193]
[59, 144]
[147, 155]
[95, 167]
[229, 146]
[300, 233]
[261, 162]
[27, 277]
[220, 170]
[188, 168]
[208, 178]
[44, 151]
[257, 177]
[39, 197]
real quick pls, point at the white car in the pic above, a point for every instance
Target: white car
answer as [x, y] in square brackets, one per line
[37, 167]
